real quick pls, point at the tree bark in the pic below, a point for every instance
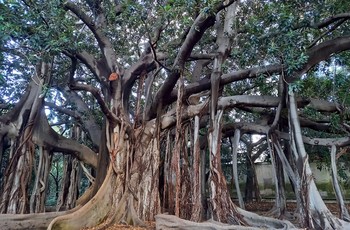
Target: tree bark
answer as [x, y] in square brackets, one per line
[313, 211]
[130, 190]
[38, 196]
[343, 214]
[69, 184]
[234, 146]
[18, 173]
[197, 208]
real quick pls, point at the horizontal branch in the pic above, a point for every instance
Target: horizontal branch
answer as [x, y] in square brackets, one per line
[330, 20]
[254, 128]
[44, 135]
[338, 141]
[243, 101]
[204, 84]
[62, 110]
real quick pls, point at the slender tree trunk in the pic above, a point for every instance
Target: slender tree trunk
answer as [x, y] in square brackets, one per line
[343, 214]
[313, 211]
[197, 208]
[234, 146]
[252, 190]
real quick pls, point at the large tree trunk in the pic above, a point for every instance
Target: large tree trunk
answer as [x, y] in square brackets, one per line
[130, 191]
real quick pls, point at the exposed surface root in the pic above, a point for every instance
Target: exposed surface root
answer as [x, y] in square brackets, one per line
[276, 212]
[255, 221]
[265, 222]
[35, 221]
[165, 222]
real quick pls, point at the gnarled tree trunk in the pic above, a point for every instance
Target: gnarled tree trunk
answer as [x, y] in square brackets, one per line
[130, 190]
[24, 116]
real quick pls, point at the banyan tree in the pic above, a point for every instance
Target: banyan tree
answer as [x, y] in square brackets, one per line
[139, 96]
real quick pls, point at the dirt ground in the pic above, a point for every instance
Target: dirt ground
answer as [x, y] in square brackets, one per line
[256, 207]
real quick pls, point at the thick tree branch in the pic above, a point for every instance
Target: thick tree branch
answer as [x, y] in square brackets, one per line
[330, 20]
[63, 110]
[97, 67]
[145, 64]
[97, 94]
[243, 101]
[338, 141]
[96, 28]
[321, 52]
[204, 84]
[252, 128]
[199, 26]
[44, 135]
[328, 31]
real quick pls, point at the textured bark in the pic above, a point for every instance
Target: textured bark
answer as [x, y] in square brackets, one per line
[197, 208]
[130, 190]
[147, 184]
[38, 196]
[70, 184]
[18, 173]
[186, 180]
[14, 197]
[179, 143]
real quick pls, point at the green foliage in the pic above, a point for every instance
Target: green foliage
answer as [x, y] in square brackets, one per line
[268, 32]
[295, 87]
